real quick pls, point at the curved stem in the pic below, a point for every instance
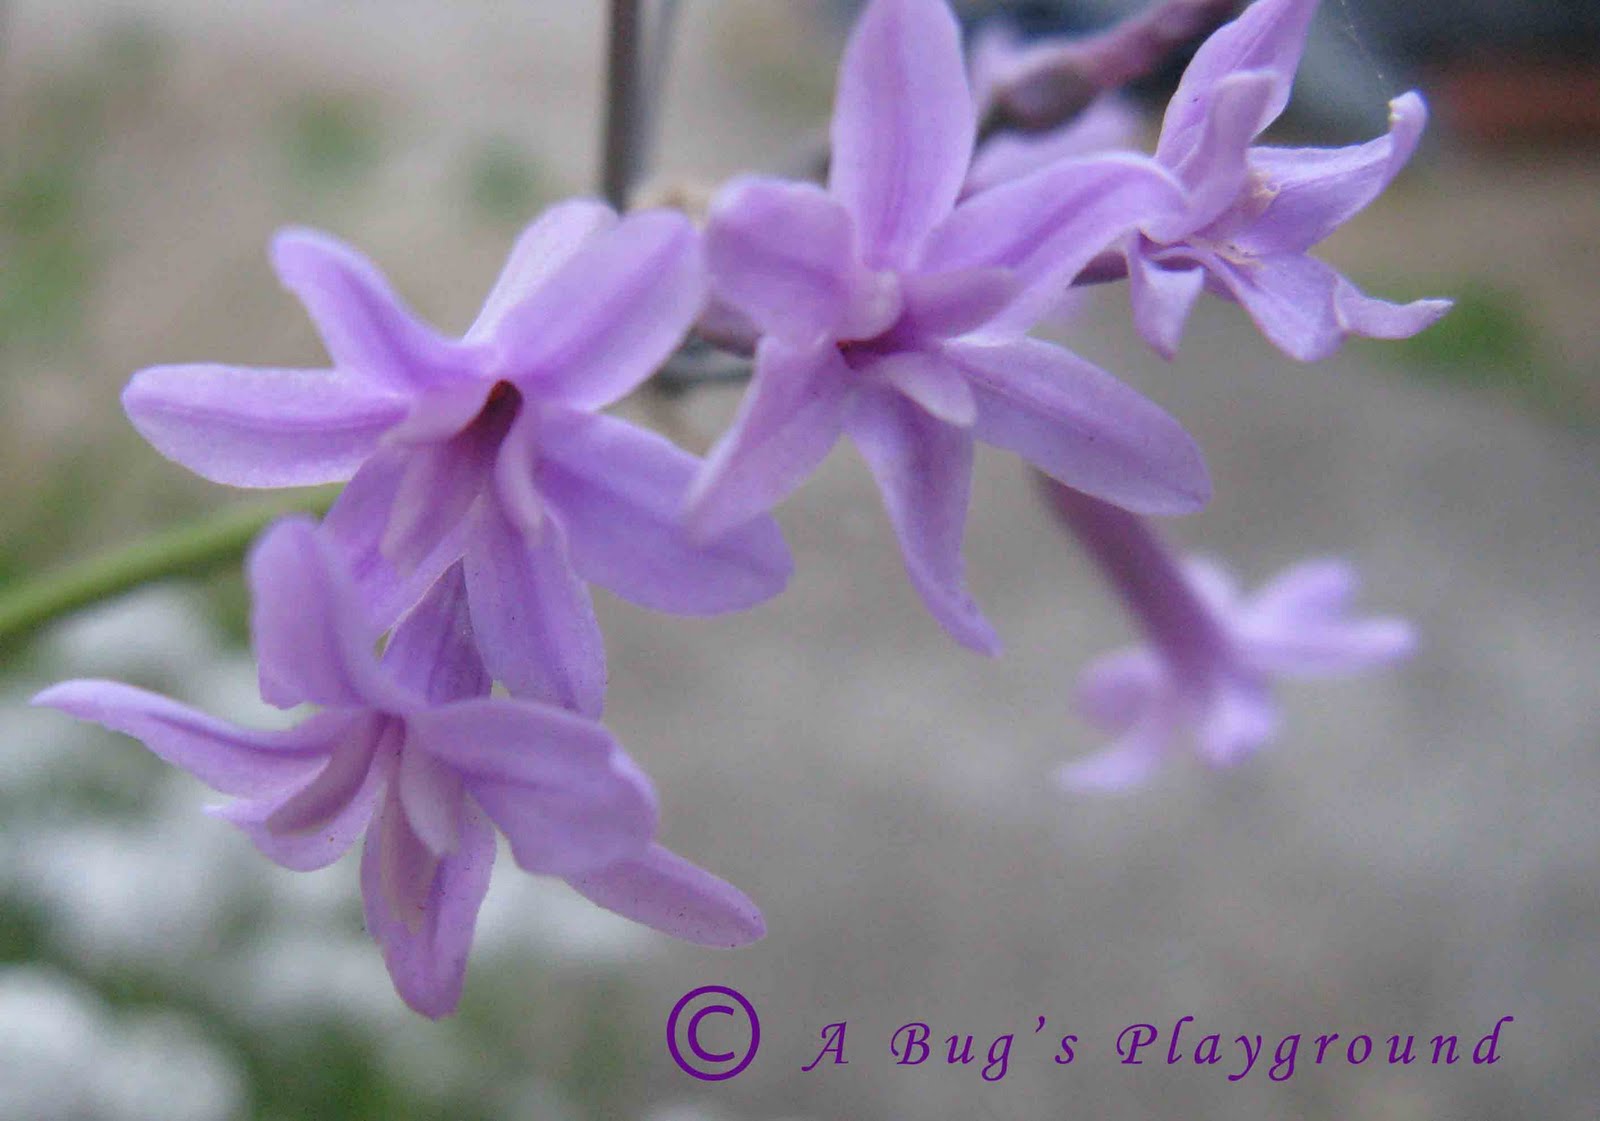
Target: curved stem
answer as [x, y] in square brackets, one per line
[188, 550]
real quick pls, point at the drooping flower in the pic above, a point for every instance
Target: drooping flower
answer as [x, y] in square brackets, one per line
[1253, 213]
[412, 751]
[489, 449]
[891, 313]
[1211, 656]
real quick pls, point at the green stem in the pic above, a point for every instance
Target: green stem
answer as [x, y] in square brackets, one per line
[190, 550]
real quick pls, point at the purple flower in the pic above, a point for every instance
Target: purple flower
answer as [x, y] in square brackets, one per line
[1253, 213]
[488, 449]
[1212, 654]
[410, 750]
[890, 313]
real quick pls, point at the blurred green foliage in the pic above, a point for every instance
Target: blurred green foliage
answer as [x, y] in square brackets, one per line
[503, 182]
[1489, 341]
[331, 140]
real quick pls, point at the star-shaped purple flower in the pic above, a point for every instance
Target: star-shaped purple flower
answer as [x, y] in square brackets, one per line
[412, 751]
[890, 313]
[1210, 683]
[1253, 213]
[489, 449]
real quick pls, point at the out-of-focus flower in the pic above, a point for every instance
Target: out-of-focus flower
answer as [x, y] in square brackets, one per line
[1253, 213]
[890, 313]
[410, 750]
[1206, 671]
[489, 449]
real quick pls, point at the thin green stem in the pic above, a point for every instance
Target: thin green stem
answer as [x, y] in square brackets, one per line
[190, 550]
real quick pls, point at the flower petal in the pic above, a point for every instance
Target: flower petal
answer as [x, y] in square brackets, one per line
[1291, 299]
[312, 641]
[924, 469]
[903, 126]
[1328, 649]
[541, 250]
[1128, 763]
[610, 316]
[368, 330]
[1314, 191]
[784, 255]
[789, 420]
[226, 758]
[618, 490]
[663, 890]
[936, 386]
[1360, 314]
[358, 525]
[1217, 170]
[426, 950]
[532, 615]
[1118, 690]
[433, 651]
[944, 304]
[1241, 718]
[505, 740]
[1269, 36]
[261, 428]
[1162, 299]
[266, 821]
[1047, 226]
[1082, 427]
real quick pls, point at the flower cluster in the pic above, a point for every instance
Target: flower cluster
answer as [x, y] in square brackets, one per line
[486, 489]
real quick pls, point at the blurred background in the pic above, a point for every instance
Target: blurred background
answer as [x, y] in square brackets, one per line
[1417, 854]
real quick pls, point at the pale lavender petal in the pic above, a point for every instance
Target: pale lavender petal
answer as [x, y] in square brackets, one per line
[517, 471]
[610, 316]
[943, 304]
[522, 742]
[305, 850]
[1047, 226]
[903, 126]
[1360, 314]
[1217, 169]
[924, 469]
[1215, 586]
[1269, 36]
[437, 486]
[1109, 122]
[1118, 690]
[312, 641]
[619, 490]
[568, 820]
[936, 386]
[1314, 191]
[431, 794]
[1291, 299]
[1240, 718]
[784, 254]
[789, 420]
[541, 250]
[426, 950]
[1319, 590]
[663, 890]
[1328, 649]
[261, 428]
[332, 789]
[226, 758]
[367, 329]
[1082, 427]
[358, 524]
[1162, 299]
[1128, 763]
[433, 652]
[532, 615]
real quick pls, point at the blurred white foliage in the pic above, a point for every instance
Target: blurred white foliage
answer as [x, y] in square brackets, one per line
[63, 1055]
